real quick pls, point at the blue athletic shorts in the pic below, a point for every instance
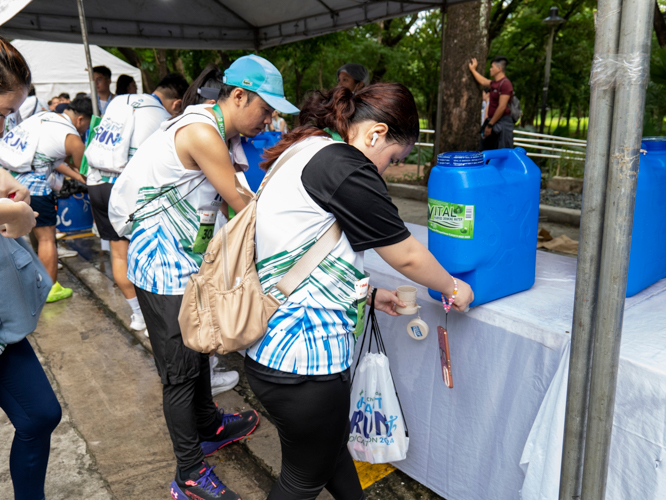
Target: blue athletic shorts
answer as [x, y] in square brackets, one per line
[47, 208]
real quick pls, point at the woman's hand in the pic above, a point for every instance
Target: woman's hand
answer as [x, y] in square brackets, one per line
[19, 219]
[386, 300]
[9, 186]
[465, 296]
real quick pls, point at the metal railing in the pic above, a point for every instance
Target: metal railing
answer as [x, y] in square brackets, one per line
[543, 145]
[536, 145]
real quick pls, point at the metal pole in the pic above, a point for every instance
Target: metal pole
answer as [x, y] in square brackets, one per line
[84, 33]
[635, 40]
[544, 96]
[589, 254]
[440, 91]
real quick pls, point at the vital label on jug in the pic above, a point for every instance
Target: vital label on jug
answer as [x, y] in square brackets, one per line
[451, 219]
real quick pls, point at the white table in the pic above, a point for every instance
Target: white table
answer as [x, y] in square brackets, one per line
[499, 430]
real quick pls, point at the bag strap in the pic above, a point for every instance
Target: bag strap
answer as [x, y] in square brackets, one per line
[291, 152]
[317, 252]
[310, 260]
[373, 324]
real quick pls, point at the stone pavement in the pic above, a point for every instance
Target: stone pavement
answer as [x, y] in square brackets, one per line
[113, 442]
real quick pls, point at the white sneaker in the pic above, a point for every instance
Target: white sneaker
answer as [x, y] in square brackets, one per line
[213, 361]
[60, 235]
[63, 253]
[137, 322]
[223, 381]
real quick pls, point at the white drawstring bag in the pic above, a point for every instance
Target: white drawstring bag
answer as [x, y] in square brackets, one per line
[109, 148]
[378, 430]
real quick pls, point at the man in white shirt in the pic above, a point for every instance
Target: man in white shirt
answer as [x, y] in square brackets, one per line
[60, 138]
[102, 78]
[150, 110]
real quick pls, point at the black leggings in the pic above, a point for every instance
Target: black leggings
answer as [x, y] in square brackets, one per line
[312, 419]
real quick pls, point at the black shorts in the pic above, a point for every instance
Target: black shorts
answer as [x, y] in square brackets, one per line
[47, 208]
[175, 363]
[99, 201]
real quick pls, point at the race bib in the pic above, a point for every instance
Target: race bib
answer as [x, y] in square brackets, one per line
[361, 289]
[206, 230]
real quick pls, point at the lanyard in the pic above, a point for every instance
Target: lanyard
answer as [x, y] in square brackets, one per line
[158, 99]
[219, 119]
[334, 135]
[99, 103]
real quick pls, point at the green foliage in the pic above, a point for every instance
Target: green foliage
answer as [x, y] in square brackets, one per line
[523, 41]
[407, 50]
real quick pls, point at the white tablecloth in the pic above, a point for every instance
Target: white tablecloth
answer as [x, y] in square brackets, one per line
[499, 430]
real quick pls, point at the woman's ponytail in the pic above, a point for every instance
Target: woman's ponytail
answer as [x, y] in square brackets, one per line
[339, 109]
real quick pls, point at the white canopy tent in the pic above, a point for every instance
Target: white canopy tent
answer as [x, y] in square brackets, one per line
[61, 67]
[614, 137]
[197, 24]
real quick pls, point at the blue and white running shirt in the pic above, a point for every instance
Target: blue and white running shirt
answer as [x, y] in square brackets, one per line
[50, 151]
[161, 255]
[313, 332]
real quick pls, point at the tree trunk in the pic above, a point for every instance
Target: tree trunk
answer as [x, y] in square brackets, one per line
[160, 57]
[578, 119]
[134, 59]
[569, 115]
[225, 60]
[466, 37]
[659, 25]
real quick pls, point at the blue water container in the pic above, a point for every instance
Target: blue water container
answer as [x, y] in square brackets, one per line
[647, 263]
[483, 218]
[254, 148]
[74, 213]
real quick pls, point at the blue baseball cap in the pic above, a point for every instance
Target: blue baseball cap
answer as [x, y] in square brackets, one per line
[259, 75]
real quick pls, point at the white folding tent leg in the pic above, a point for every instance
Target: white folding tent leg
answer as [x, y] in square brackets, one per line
[84, 33]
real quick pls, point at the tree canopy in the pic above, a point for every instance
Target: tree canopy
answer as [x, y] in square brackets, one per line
[407, 50]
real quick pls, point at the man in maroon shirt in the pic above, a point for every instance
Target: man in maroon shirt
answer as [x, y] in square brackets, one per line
[498, 127]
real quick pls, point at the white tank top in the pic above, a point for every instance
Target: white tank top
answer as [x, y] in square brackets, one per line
[162, 253]
[50, 151]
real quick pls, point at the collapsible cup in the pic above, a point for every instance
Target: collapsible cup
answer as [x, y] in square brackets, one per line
[407, 294]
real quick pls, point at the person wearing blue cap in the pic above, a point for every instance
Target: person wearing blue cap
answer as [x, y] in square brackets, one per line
[171, 191]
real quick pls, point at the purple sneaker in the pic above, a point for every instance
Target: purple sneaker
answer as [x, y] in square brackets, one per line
[234, 426]
[202, 485]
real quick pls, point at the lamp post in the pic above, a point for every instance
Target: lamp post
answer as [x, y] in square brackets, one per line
[553, 20]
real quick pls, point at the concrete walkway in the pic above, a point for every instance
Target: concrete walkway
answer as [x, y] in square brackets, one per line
[113, 442]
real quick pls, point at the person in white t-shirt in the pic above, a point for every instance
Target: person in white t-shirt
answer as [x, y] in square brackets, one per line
[177, 182]
[278, 124]
[60, 137]
[150, 110]
[102, 78]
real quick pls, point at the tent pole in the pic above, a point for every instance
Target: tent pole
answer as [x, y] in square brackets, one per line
[629, 108]
[589, 254]
[440, 90]
[84, 33]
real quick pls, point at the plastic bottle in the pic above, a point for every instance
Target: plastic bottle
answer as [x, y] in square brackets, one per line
[483, 217]
[647, 263]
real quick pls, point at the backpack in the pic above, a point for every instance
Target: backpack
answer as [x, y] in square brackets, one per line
[514, 106]
[109, 148]
[19, 145]
[224, 308]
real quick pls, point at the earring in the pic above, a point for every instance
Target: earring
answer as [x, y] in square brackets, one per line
[375, 136]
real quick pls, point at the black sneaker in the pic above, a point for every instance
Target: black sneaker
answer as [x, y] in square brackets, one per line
[202, 485]
[234, 426]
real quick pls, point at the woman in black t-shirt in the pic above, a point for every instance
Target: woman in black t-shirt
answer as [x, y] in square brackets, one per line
[300, 369]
